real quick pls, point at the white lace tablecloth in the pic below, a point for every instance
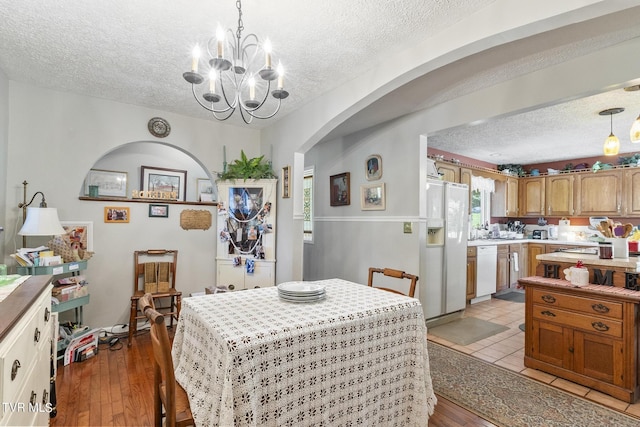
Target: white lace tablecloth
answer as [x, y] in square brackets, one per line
[358, 357]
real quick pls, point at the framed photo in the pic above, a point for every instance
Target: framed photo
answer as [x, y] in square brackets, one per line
[373, 167]
[80, 233]
[108, 183]
[204, 190]
[164, 180]
[372, 197]
[339, 188]
[158, 211]
[286, 182]
[116, 214]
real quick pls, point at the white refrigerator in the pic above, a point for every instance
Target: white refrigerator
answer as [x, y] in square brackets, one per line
[443, 281]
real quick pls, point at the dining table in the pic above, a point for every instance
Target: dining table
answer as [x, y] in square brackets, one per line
[356, 356]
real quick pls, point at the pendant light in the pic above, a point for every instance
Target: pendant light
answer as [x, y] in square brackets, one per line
[634, 132]
[612, 143]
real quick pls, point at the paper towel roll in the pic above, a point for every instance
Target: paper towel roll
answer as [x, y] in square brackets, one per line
[514, 259]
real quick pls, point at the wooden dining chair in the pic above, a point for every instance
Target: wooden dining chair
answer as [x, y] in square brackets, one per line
[390, 272]
[154, 272]
[166, 391]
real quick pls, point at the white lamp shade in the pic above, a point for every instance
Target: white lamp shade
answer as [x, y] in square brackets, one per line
[634, 134]
[42, 222]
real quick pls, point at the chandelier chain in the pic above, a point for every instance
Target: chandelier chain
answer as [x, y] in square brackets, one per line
[240, 23]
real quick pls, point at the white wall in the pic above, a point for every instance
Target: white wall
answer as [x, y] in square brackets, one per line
[4, 135]
[348, 240]
[54, 138]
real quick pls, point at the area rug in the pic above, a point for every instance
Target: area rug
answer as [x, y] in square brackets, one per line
[467, 330]
[513, 296]
[509, 399]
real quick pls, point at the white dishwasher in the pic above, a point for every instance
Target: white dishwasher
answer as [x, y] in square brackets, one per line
[486, 272]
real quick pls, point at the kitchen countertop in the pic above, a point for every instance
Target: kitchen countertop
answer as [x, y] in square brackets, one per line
[490, 242]
[631, 264]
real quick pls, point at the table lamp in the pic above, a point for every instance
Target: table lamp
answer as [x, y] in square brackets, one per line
[40, 221]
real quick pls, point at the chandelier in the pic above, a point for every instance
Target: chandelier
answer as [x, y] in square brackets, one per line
[240, 74]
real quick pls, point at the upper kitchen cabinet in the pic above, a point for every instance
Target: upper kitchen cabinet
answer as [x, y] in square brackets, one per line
[532, 194]
[599, 193]
[465, 178]
[559, 194]
[631, 187]
[450, 172]
[504, 202]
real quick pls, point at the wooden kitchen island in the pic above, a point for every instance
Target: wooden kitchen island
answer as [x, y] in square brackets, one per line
[588, 335]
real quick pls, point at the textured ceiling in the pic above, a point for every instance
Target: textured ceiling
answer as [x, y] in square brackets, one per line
[136, 51]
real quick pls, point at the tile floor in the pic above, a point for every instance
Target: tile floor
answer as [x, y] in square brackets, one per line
[506, 349]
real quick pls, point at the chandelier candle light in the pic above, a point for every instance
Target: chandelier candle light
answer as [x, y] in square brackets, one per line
[240, 80]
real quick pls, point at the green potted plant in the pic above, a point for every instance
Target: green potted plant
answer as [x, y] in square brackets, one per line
[245, 168]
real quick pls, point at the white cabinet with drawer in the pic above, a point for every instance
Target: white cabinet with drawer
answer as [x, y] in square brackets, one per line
[25, 355]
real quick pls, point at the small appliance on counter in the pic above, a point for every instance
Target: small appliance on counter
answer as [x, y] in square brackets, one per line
[539, 235]
[553, 232]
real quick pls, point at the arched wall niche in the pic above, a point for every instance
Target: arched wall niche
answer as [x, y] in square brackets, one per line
[131, 156]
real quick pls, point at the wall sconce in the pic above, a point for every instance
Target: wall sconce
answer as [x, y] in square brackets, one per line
[612, 143]
[40, 221]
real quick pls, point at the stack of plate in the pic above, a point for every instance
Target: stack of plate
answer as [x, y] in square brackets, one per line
[301, 291]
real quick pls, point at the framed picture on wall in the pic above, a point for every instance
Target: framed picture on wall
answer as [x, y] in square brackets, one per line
[339, 189]
[104, 183]
[373, 167]
[372, 197]
[164, 180]
[158, 211]
[79, 233]
[116, 214]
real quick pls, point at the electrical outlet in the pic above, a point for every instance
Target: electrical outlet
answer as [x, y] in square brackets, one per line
[407, 227]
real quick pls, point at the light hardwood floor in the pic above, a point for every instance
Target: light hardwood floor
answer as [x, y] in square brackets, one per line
[115, 389]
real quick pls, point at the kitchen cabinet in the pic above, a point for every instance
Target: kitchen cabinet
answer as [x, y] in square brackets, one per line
[517, 262]
[504, 201]
[532, 196]
[534, 250]
[631, 192]
[502, 274]
[471, 272]
[449, 171]
[465, 178]
[583, 336]
[599, 193]
[510, 266]
[559, 194]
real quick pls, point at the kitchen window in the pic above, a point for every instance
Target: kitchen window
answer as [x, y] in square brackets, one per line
[481, 189]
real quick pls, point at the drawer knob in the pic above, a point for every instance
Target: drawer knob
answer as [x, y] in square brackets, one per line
[599, 326]
[36, 335]
[45, 397]
[34, 397]
[231, 287]
[548, 313]
[548, 299]
[14, 369]
[600, 308]
[47, 314]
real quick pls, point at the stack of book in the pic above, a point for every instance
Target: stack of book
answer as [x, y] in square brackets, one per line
[39, 257]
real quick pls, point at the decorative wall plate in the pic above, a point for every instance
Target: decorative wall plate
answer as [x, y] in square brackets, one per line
[159, 127]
